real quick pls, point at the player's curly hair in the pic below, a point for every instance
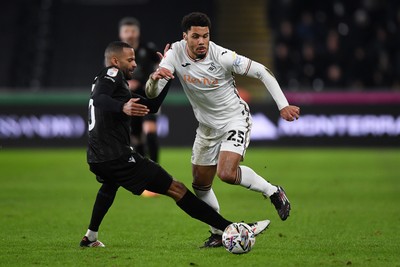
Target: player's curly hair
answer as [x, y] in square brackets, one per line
[195, 19]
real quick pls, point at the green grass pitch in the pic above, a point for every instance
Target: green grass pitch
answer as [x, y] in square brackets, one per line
[345, 211]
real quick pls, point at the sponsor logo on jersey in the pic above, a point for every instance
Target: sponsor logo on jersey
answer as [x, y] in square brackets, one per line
[185, 64]
[203, 80]
[112, 72]
[224, 53]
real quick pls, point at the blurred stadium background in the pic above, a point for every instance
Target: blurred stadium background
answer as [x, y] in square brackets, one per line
[339, 60]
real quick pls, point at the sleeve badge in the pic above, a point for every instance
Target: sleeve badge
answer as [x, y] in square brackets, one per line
[112, 72]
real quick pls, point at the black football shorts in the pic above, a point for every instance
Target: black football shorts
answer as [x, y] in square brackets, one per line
[134, 173]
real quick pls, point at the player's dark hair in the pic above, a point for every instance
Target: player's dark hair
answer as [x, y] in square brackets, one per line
[115, 47]
[128, 21]
[195, 19]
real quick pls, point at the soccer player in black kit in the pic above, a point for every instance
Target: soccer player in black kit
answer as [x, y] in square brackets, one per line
[115, 163]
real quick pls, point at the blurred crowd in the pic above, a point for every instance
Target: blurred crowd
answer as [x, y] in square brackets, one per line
[336, 44]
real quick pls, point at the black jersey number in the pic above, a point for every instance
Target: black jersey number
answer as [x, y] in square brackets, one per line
[236, 136]
[92, 118]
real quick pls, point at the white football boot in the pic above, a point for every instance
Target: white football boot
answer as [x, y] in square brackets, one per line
[259, 227]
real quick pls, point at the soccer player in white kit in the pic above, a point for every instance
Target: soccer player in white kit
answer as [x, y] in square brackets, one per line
[206, 72]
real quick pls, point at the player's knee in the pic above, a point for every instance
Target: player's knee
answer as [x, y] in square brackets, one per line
[108, 190]
[227, 176]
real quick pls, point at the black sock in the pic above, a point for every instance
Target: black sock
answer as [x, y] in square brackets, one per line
[199, 210]
[105, 198]
[152, 146]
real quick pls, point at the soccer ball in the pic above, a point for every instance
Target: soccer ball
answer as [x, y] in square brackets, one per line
[238, 238]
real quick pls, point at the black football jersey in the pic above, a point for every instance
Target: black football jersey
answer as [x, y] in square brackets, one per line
[108, 125]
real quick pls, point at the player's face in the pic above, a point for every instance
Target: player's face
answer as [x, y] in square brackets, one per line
[126, 62]
[129, 34]
[198, 40]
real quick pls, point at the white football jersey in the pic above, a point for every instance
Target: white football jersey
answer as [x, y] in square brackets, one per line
[209, 83]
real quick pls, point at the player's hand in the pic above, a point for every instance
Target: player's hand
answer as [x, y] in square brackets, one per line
[167, 46]
[290, 113]
[162, 73]
[131, 108]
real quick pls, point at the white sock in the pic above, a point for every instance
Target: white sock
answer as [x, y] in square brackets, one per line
[253, 181]
[92, 236]
[209, 198]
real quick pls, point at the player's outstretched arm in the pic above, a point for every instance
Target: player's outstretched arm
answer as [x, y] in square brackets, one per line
[259, 71]
[287, 112]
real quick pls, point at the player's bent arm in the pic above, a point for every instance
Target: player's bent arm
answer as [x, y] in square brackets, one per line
[153, 104]
[260, 72]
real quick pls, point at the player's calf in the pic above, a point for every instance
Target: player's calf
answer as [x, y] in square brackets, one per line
[229, 176]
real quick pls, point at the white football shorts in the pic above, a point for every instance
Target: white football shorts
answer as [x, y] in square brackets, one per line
[234, 137]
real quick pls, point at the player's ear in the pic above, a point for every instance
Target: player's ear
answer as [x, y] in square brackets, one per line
[115, 61]
[185, 36]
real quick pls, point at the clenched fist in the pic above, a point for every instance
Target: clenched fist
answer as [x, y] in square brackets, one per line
[290, 113]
